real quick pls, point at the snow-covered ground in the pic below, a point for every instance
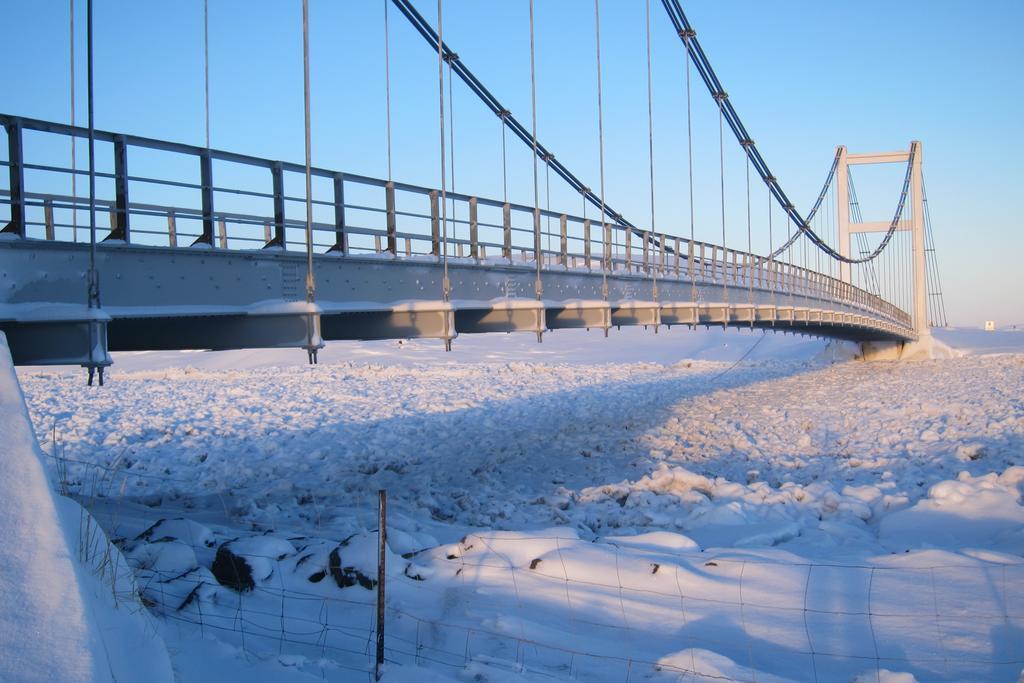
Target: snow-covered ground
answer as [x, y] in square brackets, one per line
[68, 610]
[705, 503]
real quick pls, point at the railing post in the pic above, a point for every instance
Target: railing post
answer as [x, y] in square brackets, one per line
[17, 182]
[222, 230]
[340, 237]
[172, 229]
[206, 190]
[647, 247]
[506, 224]
[474, 230]
[435, 225]
[538, 256]
[392, 225]
[277, 175]
[586, 241]
[609, 258]
[563, 245]
[119, 230]
[627, 234]
[48, 218]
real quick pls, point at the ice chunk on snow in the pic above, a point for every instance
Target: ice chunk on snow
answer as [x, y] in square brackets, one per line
[884, 676]
[184, 530]
[262, 553]
[166, 559]
[658, 541]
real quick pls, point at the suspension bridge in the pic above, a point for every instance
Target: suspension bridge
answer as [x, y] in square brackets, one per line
[86, 273]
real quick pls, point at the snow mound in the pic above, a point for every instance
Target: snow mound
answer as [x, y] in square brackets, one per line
[62, 584]
[983, 511]
[721, 513]
[705, 664]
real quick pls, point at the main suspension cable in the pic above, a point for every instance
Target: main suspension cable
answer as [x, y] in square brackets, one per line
[492, 103]
[814, 209]
[685, 31]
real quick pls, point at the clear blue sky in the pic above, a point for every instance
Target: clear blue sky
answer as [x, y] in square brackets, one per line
[805, 77]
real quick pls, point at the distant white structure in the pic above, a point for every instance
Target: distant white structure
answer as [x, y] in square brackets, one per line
[990, 325]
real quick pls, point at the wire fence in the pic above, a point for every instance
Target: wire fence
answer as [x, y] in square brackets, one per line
[551, 605]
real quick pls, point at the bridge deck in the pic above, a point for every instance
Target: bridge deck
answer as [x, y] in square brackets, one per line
[379, 270]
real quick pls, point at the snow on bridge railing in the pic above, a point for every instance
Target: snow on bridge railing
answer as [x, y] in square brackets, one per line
[363, 215]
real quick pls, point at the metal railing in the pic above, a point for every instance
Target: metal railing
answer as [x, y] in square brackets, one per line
[370, 216]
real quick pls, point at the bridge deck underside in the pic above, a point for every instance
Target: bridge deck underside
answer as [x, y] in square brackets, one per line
[159, 298]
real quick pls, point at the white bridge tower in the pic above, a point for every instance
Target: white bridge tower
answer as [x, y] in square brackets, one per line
[916, 224]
